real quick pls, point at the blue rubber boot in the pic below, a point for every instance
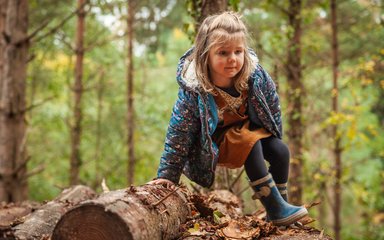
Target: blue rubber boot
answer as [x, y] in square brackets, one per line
[283, 190]
[279, 212]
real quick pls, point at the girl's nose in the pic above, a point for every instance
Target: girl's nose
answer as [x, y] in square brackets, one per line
[232, 58]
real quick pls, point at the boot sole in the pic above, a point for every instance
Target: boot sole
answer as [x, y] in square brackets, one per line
[291, 219]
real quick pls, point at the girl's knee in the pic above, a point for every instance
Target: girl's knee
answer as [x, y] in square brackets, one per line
[284, 151]
[278, 151]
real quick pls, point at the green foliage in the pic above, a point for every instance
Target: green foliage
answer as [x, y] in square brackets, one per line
[157, 49]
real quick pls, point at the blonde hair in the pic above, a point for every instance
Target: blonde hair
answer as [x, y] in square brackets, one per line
[217, 30]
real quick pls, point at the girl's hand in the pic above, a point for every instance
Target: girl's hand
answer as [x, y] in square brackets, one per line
[162, 181]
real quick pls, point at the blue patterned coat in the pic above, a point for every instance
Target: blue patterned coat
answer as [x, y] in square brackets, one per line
[189, 148]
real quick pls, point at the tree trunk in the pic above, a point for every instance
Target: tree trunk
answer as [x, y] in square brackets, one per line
[3, 12]
[203, 9]
[209, 7]
[41, 222]
[13, 68]
[76, 129]
[135, 213]
[294, 98]
[337, 144]
[10, 212]
[130, 112]
[98, 156]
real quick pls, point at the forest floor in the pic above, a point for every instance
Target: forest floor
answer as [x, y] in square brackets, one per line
[219, 217]
[214, 215]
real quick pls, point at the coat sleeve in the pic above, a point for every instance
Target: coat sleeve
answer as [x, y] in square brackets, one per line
[272, 98]
[182, 132]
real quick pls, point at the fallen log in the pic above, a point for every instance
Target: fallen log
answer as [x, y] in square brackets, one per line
[10, 213]
[153, 212]
[140, 213]
[40, 223]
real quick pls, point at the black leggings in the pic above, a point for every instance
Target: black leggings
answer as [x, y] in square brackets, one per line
[275, 152]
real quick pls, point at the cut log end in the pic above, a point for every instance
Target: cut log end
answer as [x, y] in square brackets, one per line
[91, 222]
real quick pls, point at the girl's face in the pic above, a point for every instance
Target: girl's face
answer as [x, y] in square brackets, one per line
[225, 61]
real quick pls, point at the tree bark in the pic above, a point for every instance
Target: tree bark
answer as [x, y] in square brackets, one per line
[98, 156]
[3, 12]
[209, 7]
[337, 141]
[13, 68]
[205, 8]
[10, 212]
[41, 222]
[135, 213]
[130, 112]
[294, 96]
[76, 128]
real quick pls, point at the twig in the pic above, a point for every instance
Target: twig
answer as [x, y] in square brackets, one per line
[321, 234]
[167, 196]
[21, 166]
[244, 189]
[164, 211]
[31, 57]
[195, 188]
[104, 186]
[237, 179]
[66, 43]
[312, 204]
[226, 176]
[33, 172]
[38, 104]
[310, 220]
[39, 28]
[103, 42]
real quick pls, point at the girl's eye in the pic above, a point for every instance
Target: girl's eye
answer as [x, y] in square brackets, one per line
[222, 53]
[239, 52]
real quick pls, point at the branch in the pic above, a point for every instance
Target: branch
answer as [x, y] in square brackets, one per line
[58, 26]
[195, 188]
[244, 189]
[21, 165]
[236, 180]
[66, 43]
[105, 41]
[31, 57]
[102, 31]
[278, 7]
[86, 89]
[38, 29]
[38, 104]
[33, 172]
[280, 63]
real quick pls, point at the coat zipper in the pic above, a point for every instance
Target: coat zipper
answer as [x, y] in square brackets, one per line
[207, 132]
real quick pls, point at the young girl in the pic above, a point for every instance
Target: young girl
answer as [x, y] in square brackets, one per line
[228, 113]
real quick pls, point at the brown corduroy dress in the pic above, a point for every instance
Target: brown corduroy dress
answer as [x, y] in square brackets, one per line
[233, 134]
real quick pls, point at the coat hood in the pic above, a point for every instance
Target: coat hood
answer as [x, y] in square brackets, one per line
[186, 70]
